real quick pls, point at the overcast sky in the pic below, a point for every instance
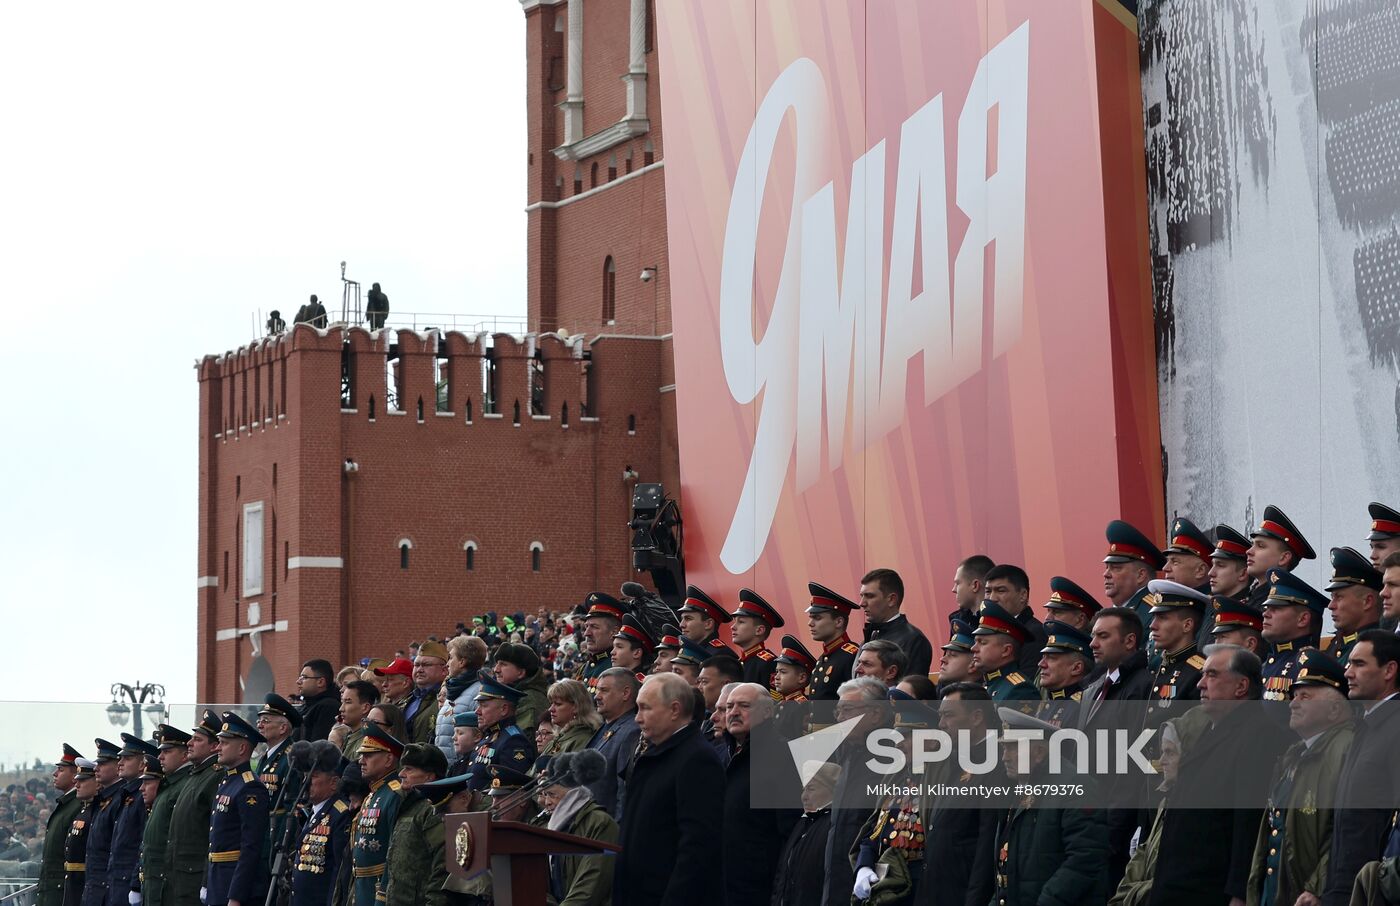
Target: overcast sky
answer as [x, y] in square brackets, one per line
[166, 171]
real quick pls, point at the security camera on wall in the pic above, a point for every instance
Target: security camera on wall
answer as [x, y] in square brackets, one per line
[648, 274]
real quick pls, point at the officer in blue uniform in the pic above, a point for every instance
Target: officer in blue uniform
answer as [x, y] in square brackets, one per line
[1356, 601]
[996, 660]
[106, 808]
[502, 742]
[1061, 684]
[1292, 621]
[237, 872]
[131, 820]
[323, 837]
[278, 720]
[753, 622]
[1277, 543]
[1131, 562]
[374, 822]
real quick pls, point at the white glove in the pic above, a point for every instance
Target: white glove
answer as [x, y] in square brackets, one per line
[865, 879]
[134, 898]
[203, 894]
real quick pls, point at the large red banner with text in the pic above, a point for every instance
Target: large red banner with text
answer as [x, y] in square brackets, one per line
[912, 313]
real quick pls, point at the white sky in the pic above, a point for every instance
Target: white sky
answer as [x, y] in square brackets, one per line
[167, 169]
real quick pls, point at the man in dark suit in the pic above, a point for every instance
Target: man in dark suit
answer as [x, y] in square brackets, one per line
[881, 597]
[1368, 774]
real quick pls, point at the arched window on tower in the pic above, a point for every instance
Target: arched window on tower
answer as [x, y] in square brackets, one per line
[609, 291]
[405, 546]
[536, 553]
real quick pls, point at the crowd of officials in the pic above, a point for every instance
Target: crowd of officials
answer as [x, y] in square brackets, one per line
[630, 724]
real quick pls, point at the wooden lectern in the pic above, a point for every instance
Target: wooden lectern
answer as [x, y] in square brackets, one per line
[517, 854]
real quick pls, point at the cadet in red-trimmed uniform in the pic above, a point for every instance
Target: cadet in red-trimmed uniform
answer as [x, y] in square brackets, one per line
[828, 617]
[754, 620]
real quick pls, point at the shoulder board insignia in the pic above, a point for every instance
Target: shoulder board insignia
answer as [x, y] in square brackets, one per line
[512, 730]
[248, 777]
[1015, 678]
[765, 655]
[1326, 642]
[1196, 661]
[395, 785]
[716, 643]
[340, 805]
[1078, 695]
[851, 648]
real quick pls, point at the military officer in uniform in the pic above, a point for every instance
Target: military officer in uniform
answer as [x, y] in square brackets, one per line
[237, 872]
[997, 642]
[48, 890]
[322, 839]
[105, 809]
[415, 866]
[1071, 605]
[374, 822]
[792, 671]
[131, 822]
[1292, 621]
[1356, 600]
[700, 618]
[277, 721]
[1385, 532]
[187, 849]
[667, 647]
[753, 621]
[1065, 661]
[602, 620]
[155, 840]
[828, 616]
[955, 666]
[1237, 622]
[1188, 563]
[502, 742]
[1276, 544]
[632, 648]
[692, 657]
[1229, 566]
[1176, 612]
[1131, 562]
[75, 840]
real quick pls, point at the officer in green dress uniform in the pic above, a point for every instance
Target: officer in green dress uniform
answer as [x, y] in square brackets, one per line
[955, 665]
[75, 840]
[324, 833]
[237, 871]
[277, 720]
[1292, 621]
[753, 622]
[997, 644]
[1188, 556]
[828, 616]
[374, 823]
[48, 890]
[1176, 610]
[502, 742]
[187, 849]
[1229, 564]
[1132, 561]
[1237, 622]
[602, 619]
[1071, 605]
[1277, 543]
[1356, 600]
[1065, 661]
[1385, 532]
[155, 840]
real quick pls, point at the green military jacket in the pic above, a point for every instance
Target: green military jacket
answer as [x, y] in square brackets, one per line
[1056, 855]
[1136, 886]
[416, 869]
[588, 880]
[49, 891]
[156, 836]
[1305, 819]
[533, 706]
[369, 840]
[1010, 685]
[187, 851]
[352, 743]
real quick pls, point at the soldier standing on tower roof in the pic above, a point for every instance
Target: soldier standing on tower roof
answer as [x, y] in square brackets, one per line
[376, 307]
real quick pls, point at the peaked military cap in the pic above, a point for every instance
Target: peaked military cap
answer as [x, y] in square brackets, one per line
[1229, 544]
[1316, 668]
[235, 727]
[602, 604]
[695, 654]
[1017, 719]
[1126, 543]
[1164, 596]
[1277, 525]
[1232, 613]
[633, 631]
[209, 724]
[795, 654]
[993, 619]
[670, 638]
[87, 768]
[1350, 568]
[431, 648]
[1062, 638]
[1187, 539]
[425, 757]
[151, 769]
[959, 636]
[134, 745]
[491, 688]
[171, 738]
[696, 601]
[277, 706]
[377, 739]
[504, 779]
[824, 600]
[1286, 588]
[70, 756]
[1385, 522]
[107, 751]
[465, 719]
[1066, 595]
[439, 791]
[751, 604]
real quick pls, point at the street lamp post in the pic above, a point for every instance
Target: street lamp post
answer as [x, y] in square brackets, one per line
[151, 696]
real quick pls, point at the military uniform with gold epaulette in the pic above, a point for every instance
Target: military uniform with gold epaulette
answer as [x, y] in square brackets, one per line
[237, 828]
[834, 666]
[370, 834]
[893, 836]
[319, 847]
[1177, 678]
[1350, 570]
[187, 847]
[48, 890]
[1005, 683]
[1281, 666]
[75, 843]
[275, 772]
[591, 666]
[502, 743]
[1062, 640]
[107, 806]
[757, 661]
